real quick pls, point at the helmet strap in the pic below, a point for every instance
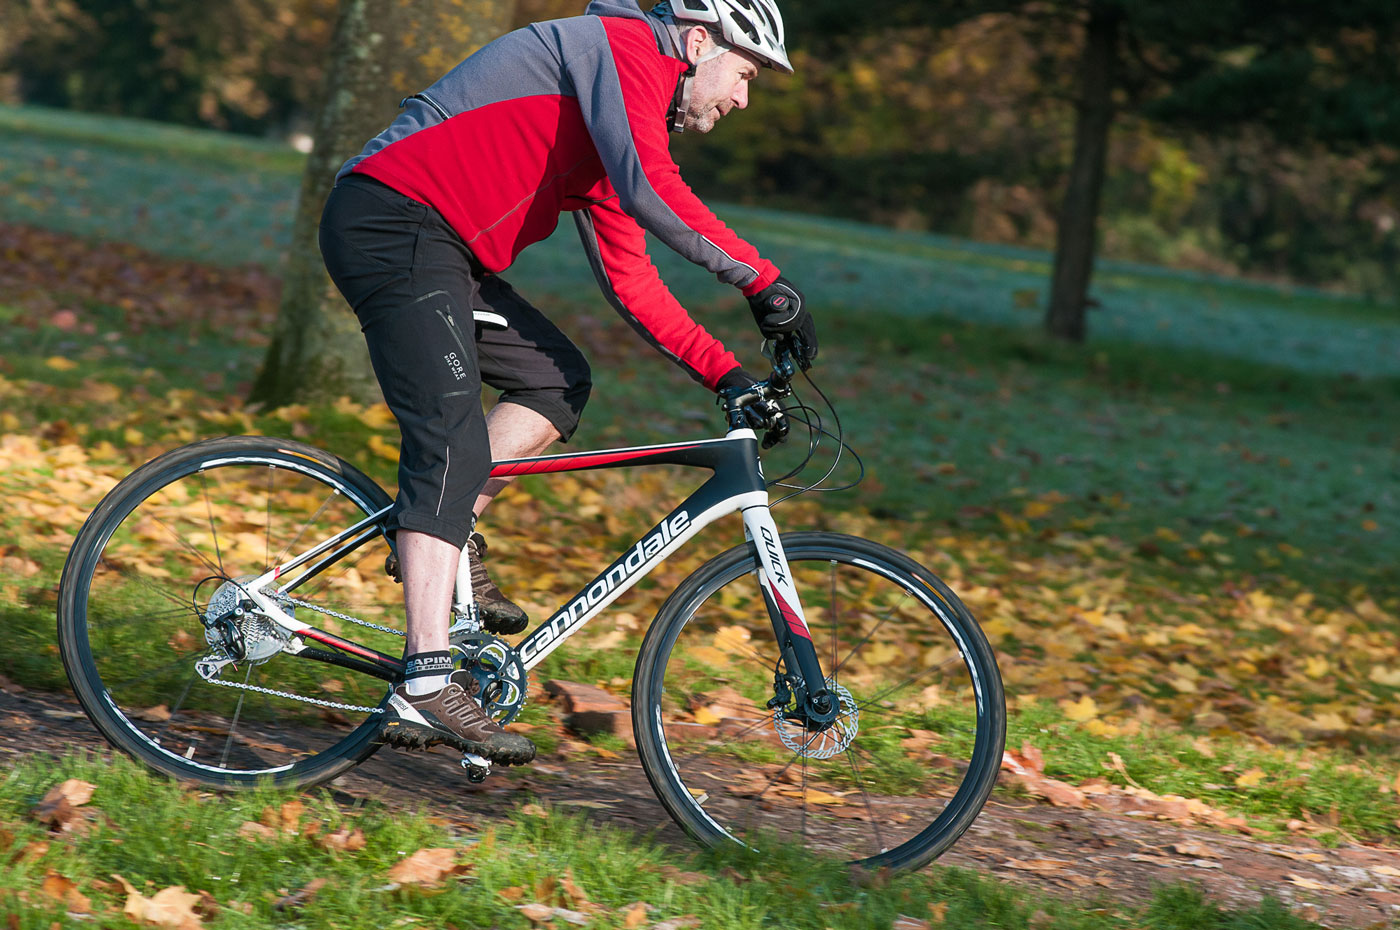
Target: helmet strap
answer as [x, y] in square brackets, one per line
[681, 102]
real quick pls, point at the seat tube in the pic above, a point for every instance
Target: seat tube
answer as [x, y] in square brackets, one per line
[780, 594]
[462, 599]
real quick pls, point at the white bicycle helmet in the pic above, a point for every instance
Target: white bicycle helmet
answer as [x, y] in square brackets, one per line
[755, 26]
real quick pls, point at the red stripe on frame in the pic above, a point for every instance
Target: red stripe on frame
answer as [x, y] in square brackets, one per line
[574, 462]
[342, 644]
[794, 622]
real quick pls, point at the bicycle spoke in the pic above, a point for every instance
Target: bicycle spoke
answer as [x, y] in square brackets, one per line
[732, 740]
[835, 631]
[267, 524]
[869, 808]
[303, 528]
[152, 673]
[857, 647]
[189, 547]
[905, 683]
[213, 529]
[170, 613]
[233, 727]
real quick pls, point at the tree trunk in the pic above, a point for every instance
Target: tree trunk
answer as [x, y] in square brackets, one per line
[382, 51]
[1076, 235]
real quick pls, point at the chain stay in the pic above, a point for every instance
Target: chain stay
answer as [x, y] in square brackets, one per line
[333, 705]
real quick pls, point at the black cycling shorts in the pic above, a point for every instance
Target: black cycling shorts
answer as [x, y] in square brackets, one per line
[413, 284]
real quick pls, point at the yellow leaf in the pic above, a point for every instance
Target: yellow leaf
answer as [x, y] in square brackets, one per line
[1370, 526]
[1249, 779]
[706, 717]
[1385, 676]
[59, 363]
[1034, 510]
[384, 450]
[1083, 709]
[1316, 666]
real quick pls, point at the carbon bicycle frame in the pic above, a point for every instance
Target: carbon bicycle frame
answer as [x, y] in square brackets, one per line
[736, 485]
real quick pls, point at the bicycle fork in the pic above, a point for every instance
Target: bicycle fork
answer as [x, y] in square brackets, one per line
[816, 705]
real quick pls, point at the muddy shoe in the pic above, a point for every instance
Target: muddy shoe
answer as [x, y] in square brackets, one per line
[451, 716]
[498, 613]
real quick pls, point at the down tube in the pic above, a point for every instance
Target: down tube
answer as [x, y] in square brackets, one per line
[698, 511]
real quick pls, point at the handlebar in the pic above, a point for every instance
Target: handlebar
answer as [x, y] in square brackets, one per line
[756, 406]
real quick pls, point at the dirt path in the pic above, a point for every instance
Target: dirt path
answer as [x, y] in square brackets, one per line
[1083, 854]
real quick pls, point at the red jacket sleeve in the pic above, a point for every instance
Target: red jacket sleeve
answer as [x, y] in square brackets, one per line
[616, 248]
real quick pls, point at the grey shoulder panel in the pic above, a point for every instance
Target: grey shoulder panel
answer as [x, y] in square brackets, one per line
[605, 112]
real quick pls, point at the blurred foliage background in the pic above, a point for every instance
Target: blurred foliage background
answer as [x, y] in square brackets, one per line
[954, 117]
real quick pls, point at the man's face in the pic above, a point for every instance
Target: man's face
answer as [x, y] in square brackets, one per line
[719, 85]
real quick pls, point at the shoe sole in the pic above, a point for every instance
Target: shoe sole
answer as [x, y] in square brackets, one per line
[406, 735]
[503, 623]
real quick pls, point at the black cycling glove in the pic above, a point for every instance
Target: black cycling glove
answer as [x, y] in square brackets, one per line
[780, 310]
[735, 378]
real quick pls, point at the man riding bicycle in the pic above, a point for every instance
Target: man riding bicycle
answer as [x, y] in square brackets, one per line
[570, 115]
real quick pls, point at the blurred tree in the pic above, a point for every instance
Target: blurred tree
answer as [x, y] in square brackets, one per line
[236, 64]
[382, 51]
[1304, 72]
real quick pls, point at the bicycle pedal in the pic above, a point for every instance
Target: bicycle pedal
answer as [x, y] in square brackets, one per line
[477, 767]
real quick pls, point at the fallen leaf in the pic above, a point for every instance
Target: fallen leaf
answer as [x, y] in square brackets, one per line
[938, 912]
[1036, 865]
[299, 897]
[348, 840]
[169, 907]
[534, 810]
[1384, 870]
[427, 867]
[66, 891]
[1250, 778]
[636, 916]
[251, 830]
[536, 913]
[1196, 850]
[684, 922]
[58, 809]
[1310, 885]
[513, 893]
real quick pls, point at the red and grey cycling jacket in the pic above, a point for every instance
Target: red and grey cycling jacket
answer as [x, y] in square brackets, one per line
[571, 115]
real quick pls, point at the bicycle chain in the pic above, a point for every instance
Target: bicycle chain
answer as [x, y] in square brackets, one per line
[339, 616]
[333, 705]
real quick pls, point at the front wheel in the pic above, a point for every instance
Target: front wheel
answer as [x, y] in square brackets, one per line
[891, 783]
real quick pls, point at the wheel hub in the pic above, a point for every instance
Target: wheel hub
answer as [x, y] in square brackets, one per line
[824, 740]
[233, 624]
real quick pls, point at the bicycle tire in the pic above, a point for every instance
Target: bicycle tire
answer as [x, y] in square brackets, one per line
[715, 766]
[151, 557]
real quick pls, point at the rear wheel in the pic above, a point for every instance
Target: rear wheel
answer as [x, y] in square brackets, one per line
[909, 761]
[154, 584]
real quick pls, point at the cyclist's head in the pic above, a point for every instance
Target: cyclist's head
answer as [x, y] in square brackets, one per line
[751, 26]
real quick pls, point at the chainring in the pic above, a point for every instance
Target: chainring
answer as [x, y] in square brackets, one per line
[497, 667]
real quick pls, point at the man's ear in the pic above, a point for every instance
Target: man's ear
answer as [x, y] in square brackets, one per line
[695, 40]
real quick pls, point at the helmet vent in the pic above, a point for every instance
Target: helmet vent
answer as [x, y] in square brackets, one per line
[746, 24]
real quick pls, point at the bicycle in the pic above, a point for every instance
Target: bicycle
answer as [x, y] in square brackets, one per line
[206, 605]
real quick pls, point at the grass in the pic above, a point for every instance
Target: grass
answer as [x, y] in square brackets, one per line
[142, 829]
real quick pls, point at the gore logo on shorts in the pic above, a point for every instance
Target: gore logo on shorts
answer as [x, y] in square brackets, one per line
[455, 365]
